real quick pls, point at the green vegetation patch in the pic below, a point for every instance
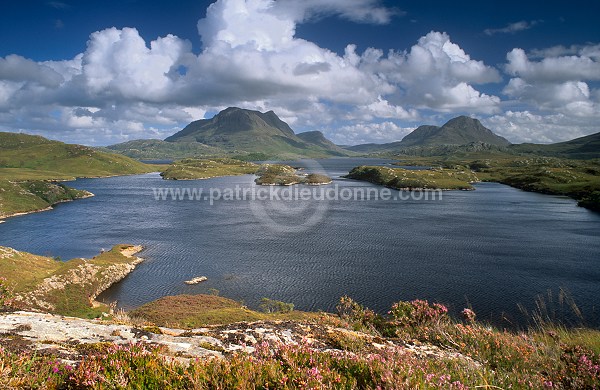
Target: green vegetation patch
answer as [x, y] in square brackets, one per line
[578, 179]
[285, 175]
[192, 311]
[29, 164]
[193, 169]
[37, 153]
[66, 288]
[405, 179]
[33, 195]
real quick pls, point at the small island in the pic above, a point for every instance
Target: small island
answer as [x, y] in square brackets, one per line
[285, 175]
[415, 180]
[196, 169]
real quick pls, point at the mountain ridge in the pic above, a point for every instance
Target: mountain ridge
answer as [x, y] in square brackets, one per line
[238, 130]
[457, 131]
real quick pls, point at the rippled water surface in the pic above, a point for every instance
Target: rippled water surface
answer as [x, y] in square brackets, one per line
[491, 248]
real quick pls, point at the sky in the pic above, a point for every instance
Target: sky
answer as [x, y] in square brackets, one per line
[100, 72]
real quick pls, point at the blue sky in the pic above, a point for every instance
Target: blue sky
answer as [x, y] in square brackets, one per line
[101, 72]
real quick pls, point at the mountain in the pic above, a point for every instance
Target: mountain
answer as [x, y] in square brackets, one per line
[374, 148]
[587, 147]
[458, 131]
[317, 138]
[237, 130]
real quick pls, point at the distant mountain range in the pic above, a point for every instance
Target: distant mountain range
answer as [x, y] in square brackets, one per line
[458, 131]
[586, 147]
[235, 131]
[239, 130]
[256, 135]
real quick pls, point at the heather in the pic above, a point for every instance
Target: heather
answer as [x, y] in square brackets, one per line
[415, 345]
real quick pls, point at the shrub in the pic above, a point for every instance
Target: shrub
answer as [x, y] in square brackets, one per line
[272, 306]
[418, 313]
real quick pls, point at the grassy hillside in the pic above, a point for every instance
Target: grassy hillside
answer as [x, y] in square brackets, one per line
[417, 345]
[154, 149]
[193, 169]
[404, 179]
[58, 159]
[67, 288]
[26, 196]
[587, 147]
[28, 163]
[193, 311]
[578, 179]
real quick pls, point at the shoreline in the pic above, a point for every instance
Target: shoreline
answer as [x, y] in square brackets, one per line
[51, 207]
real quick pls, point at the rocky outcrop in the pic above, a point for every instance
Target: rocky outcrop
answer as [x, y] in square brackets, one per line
[97, 277]
[64, 336]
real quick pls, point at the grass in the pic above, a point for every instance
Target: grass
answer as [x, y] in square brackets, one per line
[578, 179]
[193, 169]
[285, 175]
[28, 165]
[404, 179]
[193, 311]
[37, 153]
[76, 282]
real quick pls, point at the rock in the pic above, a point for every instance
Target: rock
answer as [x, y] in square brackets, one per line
[196, 280]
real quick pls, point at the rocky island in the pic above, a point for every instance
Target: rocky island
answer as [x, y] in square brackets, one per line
[415, 180]
[285, 175]
[196, 169]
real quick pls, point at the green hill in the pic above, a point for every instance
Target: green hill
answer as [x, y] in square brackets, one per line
[159, 149]
[587, 147]
[22, 155]
[236, 130]
[29, 164]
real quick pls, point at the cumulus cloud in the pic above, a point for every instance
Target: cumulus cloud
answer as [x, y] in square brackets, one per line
[118, 63]
[554, 69]
[436, 73]
[20, 69]
[123, 87]
[557, 82]
[512, 27]
[361, 133]
[527, 126]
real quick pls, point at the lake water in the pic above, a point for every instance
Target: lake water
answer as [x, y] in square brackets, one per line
[491, 248]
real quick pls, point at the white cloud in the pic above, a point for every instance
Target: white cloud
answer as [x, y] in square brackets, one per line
[361, 133]
[123, 87]
[557, 83]
[362, 11]
[437, 74]
[553, 69]
[526, 126]
[117, 63]
[512, 27]
[592, 51]
[17, 68]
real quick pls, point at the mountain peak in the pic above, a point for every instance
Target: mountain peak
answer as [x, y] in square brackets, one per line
[241, 130]
[457, 131]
